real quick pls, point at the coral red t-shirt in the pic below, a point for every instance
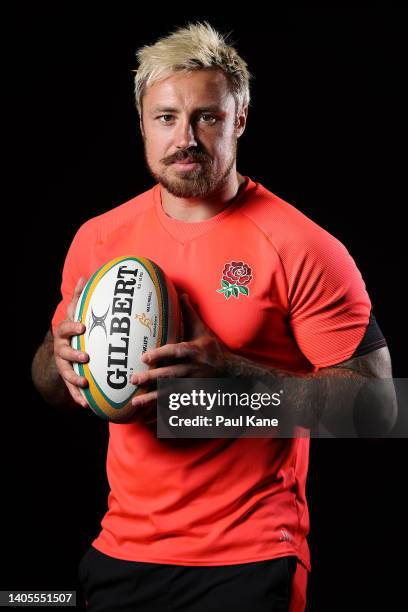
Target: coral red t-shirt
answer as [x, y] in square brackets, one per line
[305, 306]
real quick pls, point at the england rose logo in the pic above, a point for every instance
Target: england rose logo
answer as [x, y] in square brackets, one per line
[236, 277]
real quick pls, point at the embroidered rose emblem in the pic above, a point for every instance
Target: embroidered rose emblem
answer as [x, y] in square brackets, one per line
[236, 275]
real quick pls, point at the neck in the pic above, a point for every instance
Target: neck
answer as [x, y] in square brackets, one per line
[200, 209]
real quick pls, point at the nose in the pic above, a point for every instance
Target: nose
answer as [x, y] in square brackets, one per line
[185, 136]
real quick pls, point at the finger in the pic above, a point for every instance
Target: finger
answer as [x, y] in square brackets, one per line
[69, 328]
[145, 401]
[71, 308]
[194, 321]
[77, 395]
[69, 375]
[145, 408]
[179, 350]
[180, 370]
[72, 355]
[79, 287]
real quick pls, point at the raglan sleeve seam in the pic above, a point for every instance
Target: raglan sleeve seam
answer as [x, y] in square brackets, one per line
[270, 240]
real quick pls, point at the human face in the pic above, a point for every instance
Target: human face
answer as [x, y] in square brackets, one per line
[190, 129]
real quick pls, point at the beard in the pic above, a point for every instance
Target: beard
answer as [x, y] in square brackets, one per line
[196, 183]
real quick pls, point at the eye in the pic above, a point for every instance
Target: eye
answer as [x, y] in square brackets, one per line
[208, 118]
[162, 118]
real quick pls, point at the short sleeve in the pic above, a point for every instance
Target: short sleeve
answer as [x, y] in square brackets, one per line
[74, 268]
[329, 305]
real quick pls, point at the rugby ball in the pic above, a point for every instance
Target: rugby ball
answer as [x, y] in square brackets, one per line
[128, 307]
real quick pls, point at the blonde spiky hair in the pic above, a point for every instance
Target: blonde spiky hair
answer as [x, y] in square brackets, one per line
[194, 47]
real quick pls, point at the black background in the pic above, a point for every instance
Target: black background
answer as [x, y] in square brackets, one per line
[324, 132]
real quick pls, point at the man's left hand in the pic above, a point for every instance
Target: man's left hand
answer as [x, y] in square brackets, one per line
[202, 356]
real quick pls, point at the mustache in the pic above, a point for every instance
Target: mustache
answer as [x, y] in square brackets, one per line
[194, 156]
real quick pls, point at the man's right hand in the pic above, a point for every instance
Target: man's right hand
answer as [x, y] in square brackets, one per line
[65, 355]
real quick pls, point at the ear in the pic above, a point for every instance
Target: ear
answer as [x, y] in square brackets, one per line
[241, 121]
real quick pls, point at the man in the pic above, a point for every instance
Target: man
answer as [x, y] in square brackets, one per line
[216, 523]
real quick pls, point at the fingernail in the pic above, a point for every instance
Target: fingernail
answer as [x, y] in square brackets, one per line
[145, 358]
[135, 379]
